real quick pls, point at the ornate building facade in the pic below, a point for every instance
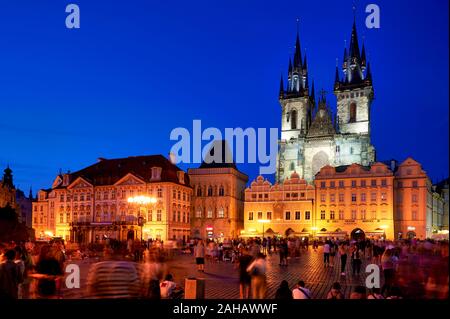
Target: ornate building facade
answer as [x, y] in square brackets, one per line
[310, 138]
[92, 204]
[217, 203]
[355, 201]
[382, 200]
[282, 209]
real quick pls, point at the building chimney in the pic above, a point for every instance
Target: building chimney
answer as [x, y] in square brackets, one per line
[172, 158]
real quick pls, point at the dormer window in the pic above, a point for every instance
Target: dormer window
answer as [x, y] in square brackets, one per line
[180, 177]
[156, 173]
[66, 179]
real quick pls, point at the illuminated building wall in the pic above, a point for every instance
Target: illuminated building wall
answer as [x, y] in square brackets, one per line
[355, 199]
[282, 209]
[92, 204]
[218, 195]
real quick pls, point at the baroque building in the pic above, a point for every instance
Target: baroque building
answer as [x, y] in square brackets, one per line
[310, 137]
[217, 201]
[93, 204]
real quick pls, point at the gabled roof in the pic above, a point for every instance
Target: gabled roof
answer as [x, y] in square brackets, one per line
[110, 171]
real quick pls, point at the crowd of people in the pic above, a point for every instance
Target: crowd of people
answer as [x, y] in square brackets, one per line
[409, 268]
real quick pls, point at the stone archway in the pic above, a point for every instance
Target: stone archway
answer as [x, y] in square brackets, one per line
[410, 235]
[358, 234]
[319, 160]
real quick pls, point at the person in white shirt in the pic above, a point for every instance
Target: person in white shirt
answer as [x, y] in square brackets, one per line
[169, 288]
[300, 292]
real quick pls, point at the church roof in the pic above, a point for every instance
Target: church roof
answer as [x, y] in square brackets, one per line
[322, 125]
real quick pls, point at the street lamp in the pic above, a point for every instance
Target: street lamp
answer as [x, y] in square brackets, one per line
[263, 221]
[314, 229]
[142, 201]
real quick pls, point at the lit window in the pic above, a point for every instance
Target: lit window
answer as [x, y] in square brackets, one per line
[221, 213]
[363, 197]
[259, 215]
[250, 216]
[332, 215]
[209, 213]
[269, 215]
[353, 214]
[221, 191]
[307, 215]
[158, 215]
[332, 198]
[353, 197]
[198, 212]
[288, 215]
[341, 197]
[322, 214]
[341, 214]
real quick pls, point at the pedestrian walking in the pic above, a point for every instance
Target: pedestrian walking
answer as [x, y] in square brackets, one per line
[326, 254]
[343, 255]
[10, 277]
[356, 259]
[257, 270]
[244, 277]
[199, 253]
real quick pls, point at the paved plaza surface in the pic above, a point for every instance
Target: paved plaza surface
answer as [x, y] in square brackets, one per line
[222, 281]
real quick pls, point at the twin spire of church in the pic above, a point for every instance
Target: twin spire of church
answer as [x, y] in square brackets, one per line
[297, 85]
[355, 68]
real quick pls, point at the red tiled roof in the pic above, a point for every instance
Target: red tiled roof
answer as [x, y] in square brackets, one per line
[109, 171]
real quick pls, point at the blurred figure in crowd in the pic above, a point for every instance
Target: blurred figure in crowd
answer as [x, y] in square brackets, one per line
[10, 277]
[114, 278]
[257, 270]
[283, 292]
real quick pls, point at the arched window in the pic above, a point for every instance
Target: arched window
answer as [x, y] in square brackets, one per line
[209, 213]
[220, 213]
[198, 212]
[221, 191]
[352, 112]
[292, 166]
[210, 191]
[294, 120]
[199, 191]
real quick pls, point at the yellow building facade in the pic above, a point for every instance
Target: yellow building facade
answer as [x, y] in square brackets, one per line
[282, 209]
[355, 201]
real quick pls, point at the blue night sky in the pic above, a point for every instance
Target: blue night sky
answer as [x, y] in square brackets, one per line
[137, 69]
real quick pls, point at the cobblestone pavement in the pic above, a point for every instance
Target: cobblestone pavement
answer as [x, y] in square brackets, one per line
[221, 278]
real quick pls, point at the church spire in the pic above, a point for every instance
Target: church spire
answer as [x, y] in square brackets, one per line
[8, 178]
[336, 77]
[369, 74]
[363, 58]
[281, 92]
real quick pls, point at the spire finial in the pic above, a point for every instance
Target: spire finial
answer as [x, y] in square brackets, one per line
[298, 23]
[354, 10]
